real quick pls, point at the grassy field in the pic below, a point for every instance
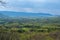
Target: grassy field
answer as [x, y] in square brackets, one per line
[30, 29]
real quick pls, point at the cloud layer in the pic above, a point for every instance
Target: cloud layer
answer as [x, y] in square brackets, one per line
[45, 6]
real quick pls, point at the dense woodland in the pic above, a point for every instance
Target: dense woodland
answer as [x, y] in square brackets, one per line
[41, 28]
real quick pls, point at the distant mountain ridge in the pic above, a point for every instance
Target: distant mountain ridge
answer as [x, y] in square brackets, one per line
[3, 16]
[23, 14]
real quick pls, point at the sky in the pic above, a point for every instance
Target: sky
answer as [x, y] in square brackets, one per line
[35, 6]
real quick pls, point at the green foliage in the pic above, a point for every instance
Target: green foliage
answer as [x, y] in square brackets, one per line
[30, 28]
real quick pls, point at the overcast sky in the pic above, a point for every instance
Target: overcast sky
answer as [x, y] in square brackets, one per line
[37, 6]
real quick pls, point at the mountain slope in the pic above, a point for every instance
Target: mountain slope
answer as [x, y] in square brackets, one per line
[24, 14]
[2, 15]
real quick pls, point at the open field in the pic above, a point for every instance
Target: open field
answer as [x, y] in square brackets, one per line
[30, 29]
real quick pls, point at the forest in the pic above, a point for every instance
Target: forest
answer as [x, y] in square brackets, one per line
[41, 28]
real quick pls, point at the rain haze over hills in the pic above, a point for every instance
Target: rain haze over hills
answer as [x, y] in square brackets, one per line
[31, 6]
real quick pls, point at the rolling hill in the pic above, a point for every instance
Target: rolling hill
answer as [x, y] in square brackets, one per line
[23, 14]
